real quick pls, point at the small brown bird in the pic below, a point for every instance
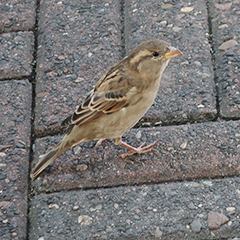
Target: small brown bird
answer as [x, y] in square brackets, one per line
[117, 102]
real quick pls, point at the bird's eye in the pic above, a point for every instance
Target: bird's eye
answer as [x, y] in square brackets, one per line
[155, 54]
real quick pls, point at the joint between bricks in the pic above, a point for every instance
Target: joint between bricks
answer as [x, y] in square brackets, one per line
[122, 20]
[212, 52]
[32, 80]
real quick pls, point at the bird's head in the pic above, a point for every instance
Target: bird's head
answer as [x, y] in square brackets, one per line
[152, 56]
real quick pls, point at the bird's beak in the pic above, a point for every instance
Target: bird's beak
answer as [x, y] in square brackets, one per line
[174, 52]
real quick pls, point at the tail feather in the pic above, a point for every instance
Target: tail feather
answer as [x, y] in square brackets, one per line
[48, 158]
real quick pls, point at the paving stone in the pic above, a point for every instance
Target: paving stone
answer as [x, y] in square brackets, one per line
[225, 28]
[16, 54]
[136, 212]
[78, 41]
[17, 15]
[187, 90]
[15, 118]
[204, 149]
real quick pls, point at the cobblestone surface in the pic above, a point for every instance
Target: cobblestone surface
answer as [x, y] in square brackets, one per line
[75, 49]
[168, 193]
[17, 15]
[187, 91]
[181, 152]
[136, 212]
[16, 54]
[226, 29]
[15, 121]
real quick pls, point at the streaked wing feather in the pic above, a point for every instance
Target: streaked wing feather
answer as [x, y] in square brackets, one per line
[109, 95]
[88, 118]
[98, 105]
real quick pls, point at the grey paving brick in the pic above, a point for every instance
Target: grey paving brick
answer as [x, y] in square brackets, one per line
[136, 212]
[17, 15]
[15, 118]
[78, 41]
[182, 152]
[225, 26]
[16, 54]
[187, 91]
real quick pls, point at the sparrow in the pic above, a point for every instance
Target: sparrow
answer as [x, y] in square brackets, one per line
[119, 99]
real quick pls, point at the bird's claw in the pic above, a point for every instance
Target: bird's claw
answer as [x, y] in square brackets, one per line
[139, 150]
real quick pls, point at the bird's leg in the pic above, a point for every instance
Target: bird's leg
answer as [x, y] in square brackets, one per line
[99, 142]
[133, 150]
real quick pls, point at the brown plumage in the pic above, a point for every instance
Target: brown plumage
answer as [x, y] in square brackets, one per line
[119, 99]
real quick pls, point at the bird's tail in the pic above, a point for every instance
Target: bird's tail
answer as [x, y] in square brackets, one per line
[49, 157]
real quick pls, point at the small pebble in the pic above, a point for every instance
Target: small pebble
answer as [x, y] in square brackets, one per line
[230, 209]
[53, 206]
[163, 23]
[184, 63]
[158, 123]
[183, 145]
[176, 29]
[137, 211]
[76, 207]
[191, 206]
[158, 233]
[196, 225]
[197, 63]
[2, 154]
[97, 208]
[223, 6]
[85, 220]
[223, 26]
[136, 217]
[139, 135]
[183, 166]
[166, 5]
[14, 234]
[216, 220]
[81, 167]
[187, 9]
[77, 150]
[200, 106]
[228, 44]
[208, 183]
[230, 223]
[146, 124]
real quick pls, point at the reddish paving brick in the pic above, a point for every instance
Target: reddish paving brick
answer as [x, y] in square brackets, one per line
[78, 41]
[187, 91]
[17, 15]
[138, 212]
[225, 27]
[16, 54]
[15, 121]
[181, 153]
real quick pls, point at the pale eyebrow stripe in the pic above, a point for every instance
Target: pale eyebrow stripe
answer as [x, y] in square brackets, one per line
[139, 56]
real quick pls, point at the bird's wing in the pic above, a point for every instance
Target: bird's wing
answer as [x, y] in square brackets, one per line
[111, 93]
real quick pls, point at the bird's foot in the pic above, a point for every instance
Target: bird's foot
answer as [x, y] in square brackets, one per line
[139, 150]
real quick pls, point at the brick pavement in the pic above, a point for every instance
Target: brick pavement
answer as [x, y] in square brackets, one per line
[52, 54]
